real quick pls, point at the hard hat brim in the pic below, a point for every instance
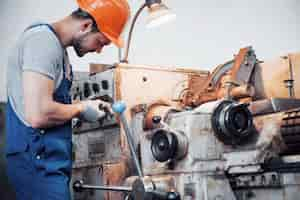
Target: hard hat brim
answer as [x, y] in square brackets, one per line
[116, 41]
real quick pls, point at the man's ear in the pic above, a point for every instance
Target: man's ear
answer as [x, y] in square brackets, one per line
[86, 25]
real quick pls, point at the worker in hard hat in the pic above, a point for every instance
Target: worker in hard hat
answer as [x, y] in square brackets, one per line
[39, 109]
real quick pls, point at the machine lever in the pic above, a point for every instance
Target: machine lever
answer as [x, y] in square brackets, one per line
[78, 186]
[120, 107]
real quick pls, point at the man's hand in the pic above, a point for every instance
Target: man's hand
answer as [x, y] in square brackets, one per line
[93, 110]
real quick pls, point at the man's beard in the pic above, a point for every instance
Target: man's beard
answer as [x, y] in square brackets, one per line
[77, 45]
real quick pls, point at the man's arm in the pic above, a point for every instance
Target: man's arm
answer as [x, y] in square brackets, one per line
[41, 111]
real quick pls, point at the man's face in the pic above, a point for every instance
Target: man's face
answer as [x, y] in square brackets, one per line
[89, 42]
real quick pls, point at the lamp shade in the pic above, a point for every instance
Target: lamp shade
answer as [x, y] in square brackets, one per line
[159, 14]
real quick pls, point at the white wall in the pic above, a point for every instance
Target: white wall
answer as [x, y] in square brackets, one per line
[206, 32]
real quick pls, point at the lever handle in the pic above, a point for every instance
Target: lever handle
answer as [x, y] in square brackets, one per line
[79, 186]
[156, 119]
[120, 107]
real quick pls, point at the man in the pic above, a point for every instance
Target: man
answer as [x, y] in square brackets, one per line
[39, 110]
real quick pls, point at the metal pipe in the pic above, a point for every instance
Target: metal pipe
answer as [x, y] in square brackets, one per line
[291, 85]
[120, 107]
[112, 188]
[78, 186]
[125, 59]
[131, 145]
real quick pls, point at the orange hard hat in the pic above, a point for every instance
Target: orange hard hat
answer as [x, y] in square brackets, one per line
[111, 17]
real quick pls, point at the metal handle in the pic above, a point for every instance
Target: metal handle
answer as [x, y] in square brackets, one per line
[120, 107]
[78, 186]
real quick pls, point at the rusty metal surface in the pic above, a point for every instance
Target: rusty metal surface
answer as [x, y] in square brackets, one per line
[267, 106]
[115, 174]
[214, 77]
[204, 172]
[157, 109]
[243, 91]
[246, 68]
[196, 83]
[143, 84]
[270, 76]
[214, 87]
[270, 79]
[238, 61]
[261, 107]
[140, 84]
[208, 158]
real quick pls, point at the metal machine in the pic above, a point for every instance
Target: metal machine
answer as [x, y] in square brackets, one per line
[232, 134]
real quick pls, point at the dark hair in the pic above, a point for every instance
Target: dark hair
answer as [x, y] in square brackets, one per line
[81, 14]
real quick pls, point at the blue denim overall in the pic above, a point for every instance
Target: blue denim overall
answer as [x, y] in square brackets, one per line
[39, 160]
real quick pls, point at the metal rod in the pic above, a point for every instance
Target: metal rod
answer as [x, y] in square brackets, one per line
[131, 145]
[291, 85]
[125, 59]
[109, 188]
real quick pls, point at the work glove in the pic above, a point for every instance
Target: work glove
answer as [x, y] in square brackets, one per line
[93, 110]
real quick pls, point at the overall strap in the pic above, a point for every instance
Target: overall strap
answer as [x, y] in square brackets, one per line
[54, 32]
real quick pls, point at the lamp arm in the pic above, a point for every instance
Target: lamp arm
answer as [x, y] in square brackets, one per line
[125, 59]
